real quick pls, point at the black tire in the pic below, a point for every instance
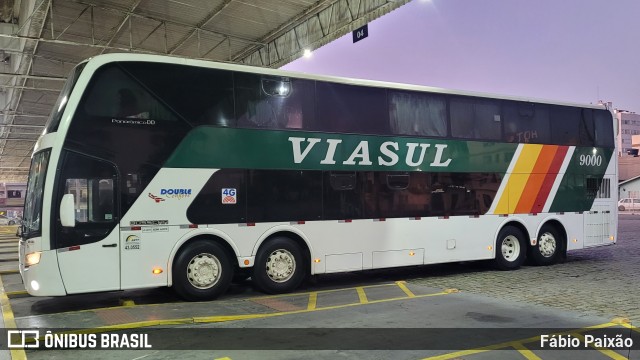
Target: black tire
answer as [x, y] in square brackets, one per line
[11, 222]
[549, 247]
[288, 255]
[511, 248]
[208, 254]
[621, 207]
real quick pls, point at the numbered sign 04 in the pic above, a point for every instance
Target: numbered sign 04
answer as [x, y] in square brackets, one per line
[360, 33]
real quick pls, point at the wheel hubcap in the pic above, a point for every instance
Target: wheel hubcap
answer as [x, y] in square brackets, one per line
[510, 248]
[547, 245]
[281, 265]
[204, 271]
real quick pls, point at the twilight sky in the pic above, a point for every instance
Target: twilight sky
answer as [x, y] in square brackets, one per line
[564, 50]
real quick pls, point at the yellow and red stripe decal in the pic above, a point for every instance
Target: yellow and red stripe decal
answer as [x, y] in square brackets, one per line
[531, 179]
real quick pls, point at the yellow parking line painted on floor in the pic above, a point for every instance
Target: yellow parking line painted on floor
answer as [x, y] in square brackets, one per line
[246, 299]
[629, 326]
[402, 285]
[223, 318]
[9, 272]
[525, 352]
[11, 294]
[127, 302]
[9, 321]
[129, 326]
[313, 300]
[458, 354]
[224, 358]
[321, 291]
[606, 352]
[362, 296]
[620, 320]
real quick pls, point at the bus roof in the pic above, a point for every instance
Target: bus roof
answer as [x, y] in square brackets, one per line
[118, 57]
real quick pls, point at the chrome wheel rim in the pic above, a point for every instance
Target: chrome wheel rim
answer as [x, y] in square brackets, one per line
[281, 265]
[203, 271]
[510, 248]
[547, 245]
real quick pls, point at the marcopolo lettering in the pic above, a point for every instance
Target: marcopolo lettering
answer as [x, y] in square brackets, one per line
[388, 154]
[176, 193]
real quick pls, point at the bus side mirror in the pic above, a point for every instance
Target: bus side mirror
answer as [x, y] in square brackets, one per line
[67, 211]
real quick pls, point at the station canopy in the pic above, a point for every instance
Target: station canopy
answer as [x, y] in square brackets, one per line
[42, 40]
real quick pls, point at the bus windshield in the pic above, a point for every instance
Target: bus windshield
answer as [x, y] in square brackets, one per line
[35, 190]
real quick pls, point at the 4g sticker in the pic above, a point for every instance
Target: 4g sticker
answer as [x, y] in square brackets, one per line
[229, 196]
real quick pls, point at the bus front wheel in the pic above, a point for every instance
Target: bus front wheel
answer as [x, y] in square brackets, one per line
[511, 248]
[202, 271]
[279, 267]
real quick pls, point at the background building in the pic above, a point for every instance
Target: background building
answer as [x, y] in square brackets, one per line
[629, 188]
[629, 125]
[12, 199]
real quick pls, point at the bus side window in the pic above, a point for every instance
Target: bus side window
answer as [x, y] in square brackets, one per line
[525, 122]
[273, 102]
[343, 194]
[413, 113]
[129, 107]
[93, 184]
[94, 199]
[282, 195]
[603, 122]
[351, 109]
[587, 131]
[475, 118]
[439, 203]
[341, 181]
[401, 194]
[196, 96]
[566, 123]
[118, 94]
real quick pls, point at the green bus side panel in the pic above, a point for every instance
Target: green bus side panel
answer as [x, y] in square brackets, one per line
[573, 194]
[216, 147]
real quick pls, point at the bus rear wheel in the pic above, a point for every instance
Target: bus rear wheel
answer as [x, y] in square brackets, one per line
[202, 271]
[279, 267]
[510, 248]
[548, 246]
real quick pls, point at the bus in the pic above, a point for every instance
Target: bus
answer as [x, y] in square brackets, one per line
[157, 171]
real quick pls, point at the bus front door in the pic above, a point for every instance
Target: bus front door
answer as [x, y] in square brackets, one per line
[88, 252]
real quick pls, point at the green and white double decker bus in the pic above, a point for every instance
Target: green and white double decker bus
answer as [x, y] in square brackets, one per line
[157, 171]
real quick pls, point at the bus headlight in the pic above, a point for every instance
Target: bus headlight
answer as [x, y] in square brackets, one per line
[32, 258]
